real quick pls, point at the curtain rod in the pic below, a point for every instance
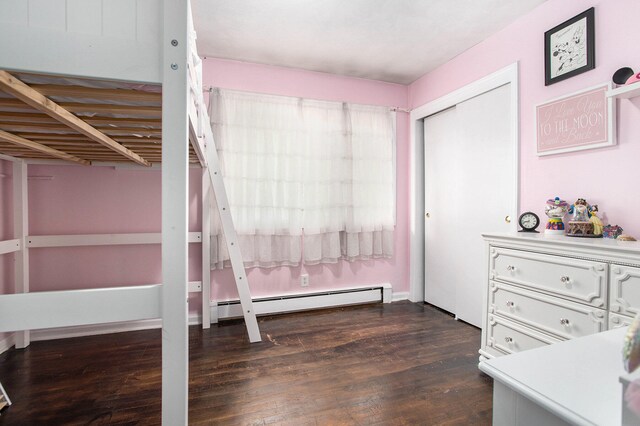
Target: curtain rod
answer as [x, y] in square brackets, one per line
[209, 89]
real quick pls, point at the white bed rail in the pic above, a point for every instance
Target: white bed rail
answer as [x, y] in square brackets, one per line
[9, 246]
[37, 241]
[32, 311]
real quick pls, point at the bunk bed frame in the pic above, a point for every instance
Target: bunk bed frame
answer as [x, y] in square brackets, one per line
[149, 42]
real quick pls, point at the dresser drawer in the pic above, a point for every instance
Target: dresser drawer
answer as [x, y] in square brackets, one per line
[550, 314]
[617, 321]
[508, 337]
[624, 290]
[579, 280]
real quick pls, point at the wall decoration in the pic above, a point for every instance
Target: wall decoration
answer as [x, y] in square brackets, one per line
[582, 120]
[569, 48]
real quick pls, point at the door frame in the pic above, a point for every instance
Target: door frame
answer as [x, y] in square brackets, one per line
[506, 75]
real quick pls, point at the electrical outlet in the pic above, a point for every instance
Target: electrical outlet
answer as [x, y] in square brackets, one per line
[304, 280]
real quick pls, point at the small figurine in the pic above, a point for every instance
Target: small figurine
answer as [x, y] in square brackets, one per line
[612, 231]
[556, 209]
[597, 223]
[626, 237]
[631, 348]
[580, 226]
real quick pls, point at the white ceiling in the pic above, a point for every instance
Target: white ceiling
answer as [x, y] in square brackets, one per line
[389, 40]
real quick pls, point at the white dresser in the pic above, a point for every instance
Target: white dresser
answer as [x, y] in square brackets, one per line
[541, 289]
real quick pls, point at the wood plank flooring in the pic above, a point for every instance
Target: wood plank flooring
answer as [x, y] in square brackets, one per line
[393, 364]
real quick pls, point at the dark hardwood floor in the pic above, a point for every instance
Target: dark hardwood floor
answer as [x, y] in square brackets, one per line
[393, 364]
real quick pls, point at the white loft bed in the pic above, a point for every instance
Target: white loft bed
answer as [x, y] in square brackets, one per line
[119, 52]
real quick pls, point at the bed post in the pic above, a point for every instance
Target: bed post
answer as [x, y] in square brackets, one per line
[206, 251]
[20, 232]
[175, 186]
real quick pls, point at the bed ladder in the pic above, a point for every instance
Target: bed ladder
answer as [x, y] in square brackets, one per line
[4, 398]
[230, 235]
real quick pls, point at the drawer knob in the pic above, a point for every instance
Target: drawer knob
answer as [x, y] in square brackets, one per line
[565, 279]
[508, 339]
[511, 268]
[510, 304]
[564, 321]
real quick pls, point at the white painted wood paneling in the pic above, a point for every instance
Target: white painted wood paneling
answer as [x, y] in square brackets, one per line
[84, 16]
[48, 14]
[88, 38]
[148, 26]
[14, 11]
[119, 19]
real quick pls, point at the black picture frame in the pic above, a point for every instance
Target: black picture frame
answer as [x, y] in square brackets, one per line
[569, 48]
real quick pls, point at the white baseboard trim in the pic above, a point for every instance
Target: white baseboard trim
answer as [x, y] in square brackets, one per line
[306, 301]
[7, 343]
[95, 329]
[401, 295]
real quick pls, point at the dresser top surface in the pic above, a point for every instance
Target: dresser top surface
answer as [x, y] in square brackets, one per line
[563, 241]
[577, 379]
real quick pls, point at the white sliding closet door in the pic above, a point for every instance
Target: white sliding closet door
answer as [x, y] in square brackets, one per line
[469, 189]
[441, 175]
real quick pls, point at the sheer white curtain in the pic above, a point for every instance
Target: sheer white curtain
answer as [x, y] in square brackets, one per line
[367, 174]
[304, 172]
[258, 141]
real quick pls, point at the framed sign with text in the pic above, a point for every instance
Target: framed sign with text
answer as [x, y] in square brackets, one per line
[582, 120]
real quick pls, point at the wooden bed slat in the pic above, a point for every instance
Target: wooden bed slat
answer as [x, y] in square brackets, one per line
[28, 117]
[62, 129]
[17, 88]
[26, 143]
[133, 111]
[126, 95]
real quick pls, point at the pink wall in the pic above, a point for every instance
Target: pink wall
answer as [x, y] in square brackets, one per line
[608, 176]
[94, 200]
[285, 81]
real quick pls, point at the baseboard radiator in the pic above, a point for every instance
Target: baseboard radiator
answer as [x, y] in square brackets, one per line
[305, 301]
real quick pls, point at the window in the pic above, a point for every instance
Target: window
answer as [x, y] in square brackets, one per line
[305, 176]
